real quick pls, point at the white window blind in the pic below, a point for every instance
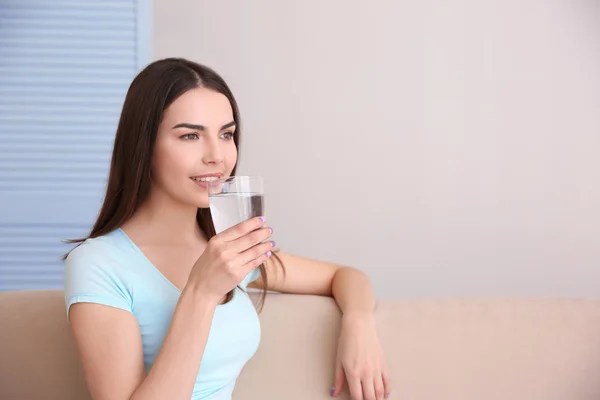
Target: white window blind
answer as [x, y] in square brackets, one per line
[65, 67]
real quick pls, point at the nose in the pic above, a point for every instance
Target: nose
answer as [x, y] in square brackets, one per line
[212, 152]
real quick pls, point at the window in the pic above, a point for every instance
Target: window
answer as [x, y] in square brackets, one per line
[65, 67]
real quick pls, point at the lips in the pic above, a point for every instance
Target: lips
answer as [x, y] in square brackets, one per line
[204, 180]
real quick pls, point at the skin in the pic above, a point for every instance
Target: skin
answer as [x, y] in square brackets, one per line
[164, 228]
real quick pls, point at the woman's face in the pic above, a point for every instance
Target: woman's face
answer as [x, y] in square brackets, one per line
[194, 145]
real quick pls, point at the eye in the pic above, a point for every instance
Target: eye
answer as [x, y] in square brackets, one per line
[189, 136]
[227, 135]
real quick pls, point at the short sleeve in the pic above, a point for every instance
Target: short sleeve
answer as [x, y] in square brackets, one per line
[92, 276]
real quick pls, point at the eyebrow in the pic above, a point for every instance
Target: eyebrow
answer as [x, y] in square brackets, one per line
[201, 127]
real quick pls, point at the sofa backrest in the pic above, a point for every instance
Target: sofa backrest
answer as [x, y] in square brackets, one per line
[38, 357]
[544, 349]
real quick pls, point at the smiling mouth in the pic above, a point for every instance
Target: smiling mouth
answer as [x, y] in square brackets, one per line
[204, 178]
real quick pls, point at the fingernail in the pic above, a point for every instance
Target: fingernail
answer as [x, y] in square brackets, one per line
[273, 243]
[263, 219]
[271, 230]
[387, 395]
[269, 253]
[332, 391]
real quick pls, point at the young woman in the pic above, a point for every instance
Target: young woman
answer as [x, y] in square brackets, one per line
[156, 301]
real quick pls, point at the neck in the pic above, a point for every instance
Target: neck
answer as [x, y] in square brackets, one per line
[163, 220]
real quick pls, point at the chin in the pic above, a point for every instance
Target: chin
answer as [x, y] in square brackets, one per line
[202, 203]
[193, 200]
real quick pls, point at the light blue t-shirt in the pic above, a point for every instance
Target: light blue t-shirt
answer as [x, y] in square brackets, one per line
[112, 270]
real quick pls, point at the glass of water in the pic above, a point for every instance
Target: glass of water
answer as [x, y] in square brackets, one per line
[234, 200]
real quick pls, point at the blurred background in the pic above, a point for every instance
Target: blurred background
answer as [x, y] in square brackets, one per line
[445, 148]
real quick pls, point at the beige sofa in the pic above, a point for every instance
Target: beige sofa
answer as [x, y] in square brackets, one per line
[519, 349]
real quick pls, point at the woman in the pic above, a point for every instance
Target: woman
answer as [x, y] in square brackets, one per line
[153, 293]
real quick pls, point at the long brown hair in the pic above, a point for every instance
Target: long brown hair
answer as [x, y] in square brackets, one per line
[154, 89]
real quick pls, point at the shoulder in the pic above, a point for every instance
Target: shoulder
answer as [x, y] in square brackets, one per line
[97, 269]
[98, 248]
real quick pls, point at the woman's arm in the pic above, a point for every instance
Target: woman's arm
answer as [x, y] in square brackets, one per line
[349, 286]
[360, 362]
[110, 346]
[109, 339]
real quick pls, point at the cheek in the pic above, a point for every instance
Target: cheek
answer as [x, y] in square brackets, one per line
[169, 164]
[230, 157]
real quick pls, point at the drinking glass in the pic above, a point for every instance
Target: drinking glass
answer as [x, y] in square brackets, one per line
[235, 199]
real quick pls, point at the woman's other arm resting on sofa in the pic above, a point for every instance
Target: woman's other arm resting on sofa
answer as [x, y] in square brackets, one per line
[110, 347]
[360, 360]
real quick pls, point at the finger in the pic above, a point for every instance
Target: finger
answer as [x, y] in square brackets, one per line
[387, 387]
[368, 388]
[253, 253]
[379, 387]
[355, 388]
[339, 380]
[262, 257]
[249, 240]
[241, 229]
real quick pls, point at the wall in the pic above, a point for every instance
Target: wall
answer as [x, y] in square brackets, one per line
[444, 148]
